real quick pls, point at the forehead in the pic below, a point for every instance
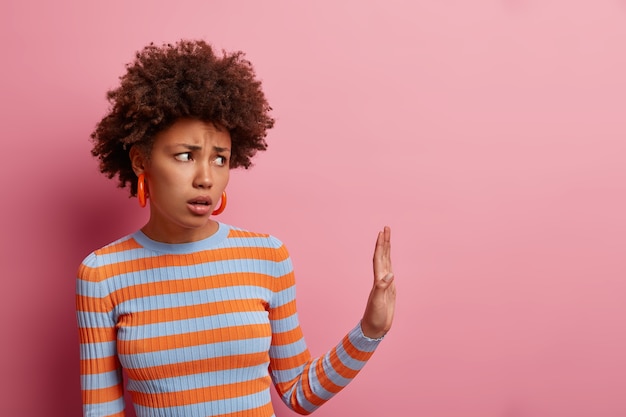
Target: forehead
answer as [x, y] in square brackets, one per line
[194, 132]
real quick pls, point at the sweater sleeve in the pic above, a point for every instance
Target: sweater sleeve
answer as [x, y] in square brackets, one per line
[100, 370]
[305, 383]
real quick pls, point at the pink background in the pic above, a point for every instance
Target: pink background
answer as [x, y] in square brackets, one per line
[491, 136]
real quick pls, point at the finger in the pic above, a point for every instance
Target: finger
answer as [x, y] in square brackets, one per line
[382, 254]
[379, 248]
[380, 241]
[383, 242]
[379, 257]
[387, 247]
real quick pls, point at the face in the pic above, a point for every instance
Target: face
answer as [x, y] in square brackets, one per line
[186, 173]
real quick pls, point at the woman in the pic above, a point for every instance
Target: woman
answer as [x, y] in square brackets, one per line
[200, 315]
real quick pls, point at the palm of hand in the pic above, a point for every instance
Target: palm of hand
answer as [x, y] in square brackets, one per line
[381, 303]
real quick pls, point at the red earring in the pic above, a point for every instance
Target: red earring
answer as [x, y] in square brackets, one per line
[141, 190]
[222, 206]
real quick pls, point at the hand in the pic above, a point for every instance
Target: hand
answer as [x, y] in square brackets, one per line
[381, 303]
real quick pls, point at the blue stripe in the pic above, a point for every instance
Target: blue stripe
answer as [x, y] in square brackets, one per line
[97, 350]
[178, 327]
[287, 374]
[287, 351]
[317, 388]
[89, 320]
[284, 325]
[302, 401]
[233, 266]
[348, 360]
[207, 351]
[283, 297]
[210, 408]
[98, 381]
[104, 409]
[361, 342]
[251, 242]
[332, 374]
[105, 259]
[88, 288]
[191, 298]
[200, 380]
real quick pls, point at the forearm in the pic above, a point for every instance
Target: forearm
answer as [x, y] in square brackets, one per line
[318, 380]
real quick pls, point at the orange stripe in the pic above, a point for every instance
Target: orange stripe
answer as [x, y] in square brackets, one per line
[98, 366]
[339, 367]
[96, 334]
[161, 261]
[283, 364]
[165, 315]
[286, 338]
[284, 311]
[245, 233]
[102, 395]
[297, 407]
[155, 344]
[91, 304]
[306, 388]
[151, 289]
[87, 273]
[194, 396]
[355, 353]
[325, 381]
[127, 244]
[193, 367]
[284, 281]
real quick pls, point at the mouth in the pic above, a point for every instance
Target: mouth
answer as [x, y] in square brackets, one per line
[200, 201]
[200, 205]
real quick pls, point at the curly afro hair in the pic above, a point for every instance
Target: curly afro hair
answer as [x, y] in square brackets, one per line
[184, 80]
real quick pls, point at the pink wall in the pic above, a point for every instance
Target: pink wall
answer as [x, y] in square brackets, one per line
[491, 136]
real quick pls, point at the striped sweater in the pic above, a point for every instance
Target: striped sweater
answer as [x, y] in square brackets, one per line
[201, 329]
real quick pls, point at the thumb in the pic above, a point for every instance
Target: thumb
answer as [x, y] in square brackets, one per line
[385, 281]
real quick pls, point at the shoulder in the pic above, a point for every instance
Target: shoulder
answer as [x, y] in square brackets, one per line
[266, 252]
[248, 237]
[120, 245]
[263, 245]
[104, 256]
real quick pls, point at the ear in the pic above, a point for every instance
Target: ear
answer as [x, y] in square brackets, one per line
[138, 160]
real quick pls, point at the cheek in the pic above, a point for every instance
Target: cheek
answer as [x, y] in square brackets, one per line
[222, 176]
[165, 186]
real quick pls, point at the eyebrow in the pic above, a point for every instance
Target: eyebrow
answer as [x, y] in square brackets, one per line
[197, 148]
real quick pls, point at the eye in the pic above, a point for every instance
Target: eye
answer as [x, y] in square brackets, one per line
[183, 157]
[220, 161]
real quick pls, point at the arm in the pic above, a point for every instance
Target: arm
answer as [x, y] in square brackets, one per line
[100, 370]
[303, 383]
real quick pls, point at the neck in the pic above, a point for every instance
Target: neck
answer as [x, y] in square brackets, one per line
[164, 234]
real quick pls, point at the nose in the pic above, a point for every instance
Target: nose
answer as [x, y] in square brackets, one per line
[203, 177]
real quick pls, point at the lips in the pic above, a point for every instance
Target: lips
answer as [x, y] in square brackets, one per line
[200, 205]
[204, 202]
